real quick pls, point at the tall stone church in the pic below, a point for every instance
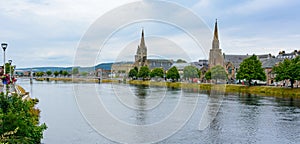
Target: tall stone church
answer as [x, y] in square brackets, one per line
[142, 60]
[215, 55]
[141, 53]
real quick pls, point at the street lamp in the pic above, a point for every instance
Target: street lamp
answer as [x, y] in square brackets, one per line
[4, 46]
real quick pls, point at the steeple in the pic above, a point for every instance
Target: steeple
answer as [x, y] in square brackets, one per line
[215, 54]
[142, 44]
[216, 36]
[141, 53]
[215, 43]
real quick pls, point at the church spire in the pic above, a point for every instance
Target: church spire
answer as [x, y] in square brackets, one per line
[216, 36]
[215, 43]
[142, 44]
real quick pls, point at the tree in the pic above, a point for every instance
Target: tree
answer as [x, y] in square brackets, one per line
[180, 61]
[144, 72]
[61, 72]
[208, 75]
[39, 74]
[137, 69]
[84, 73]
[218, 73]
[251, 69]
[288, 70]
[49, 73]
[173, 74]
[199, 73]
[190, 72]
[8, 68]
[75, 71]
[157, 72]
[19, 120]
[133, 73]
[56, 73]
[65, 73]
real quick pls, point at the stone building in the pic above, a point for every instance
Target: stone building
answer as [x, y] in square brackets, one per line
[283, 55]
[142, 60]
[159, 63]
[141, 53]
[215, 54]
[121, 69]
[231, 63]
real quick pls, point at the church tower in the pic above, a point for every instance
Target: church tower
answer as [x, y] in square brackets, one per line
[141, 54]
[215, 54]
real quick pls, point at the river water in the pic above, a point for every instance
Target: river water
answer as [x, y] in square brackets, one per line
[239, 118]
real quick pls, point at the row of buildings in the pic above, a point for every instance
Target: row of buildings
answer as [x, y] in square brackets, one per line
[230, 62]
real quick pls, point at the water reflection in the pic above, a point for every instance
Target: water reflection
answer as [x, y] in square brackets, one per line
[250, 99]
[141, 91]
[141, 112]
[240, 119]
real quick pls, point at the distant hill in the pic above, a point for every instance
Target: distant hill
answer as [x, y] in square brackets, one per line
[104, 66]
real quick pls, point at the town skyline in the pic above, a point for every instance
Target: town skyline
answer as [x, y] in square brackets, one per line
[48, 39]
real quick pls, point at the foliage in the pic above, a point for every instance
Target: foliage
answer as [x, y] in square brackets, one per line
[49, 73]
[190, 72]
[288, 70]
[84, 73]
[133, 73]
[218, 72]
[199, 73]
[65, 73]
[9, 68]
[75, 70]
[39, 74]
[144, 72]
[56, 73]
[208, 75]
[251, 69]
[173, 74]
[180, 61]
[137, 69]
[157, 72]
[19, 120]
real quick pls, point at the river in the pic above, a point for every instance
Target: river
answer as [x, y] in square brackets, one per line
[238, 119]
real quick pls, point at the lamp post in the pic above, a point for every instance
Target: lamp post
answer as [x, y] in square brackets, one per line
[4, 46]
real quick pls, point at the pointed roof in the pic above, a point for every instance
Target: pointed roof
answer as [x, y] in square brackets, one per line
[216, 35]
[142, 44]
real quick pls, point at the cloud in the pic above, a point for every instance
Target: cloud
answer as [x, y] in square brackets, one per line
[257, 6]
[49, 31]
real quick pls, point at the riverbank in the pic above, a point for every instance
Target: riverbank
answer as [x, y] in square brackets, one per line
[228, 88]
[75, 80]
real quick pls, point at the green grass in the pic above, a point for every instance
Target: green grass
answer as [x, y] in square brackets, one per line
[231, 88]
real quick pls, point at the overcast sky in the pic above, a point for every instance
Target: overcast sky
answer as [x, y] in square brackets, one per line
[48, 32]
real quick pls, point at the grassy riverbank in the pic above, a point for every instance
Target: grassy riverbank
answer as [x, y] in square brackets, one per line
[229, 88]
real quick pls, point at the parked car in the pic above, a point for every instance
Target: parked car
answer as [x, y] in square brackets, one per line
[258, 82]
